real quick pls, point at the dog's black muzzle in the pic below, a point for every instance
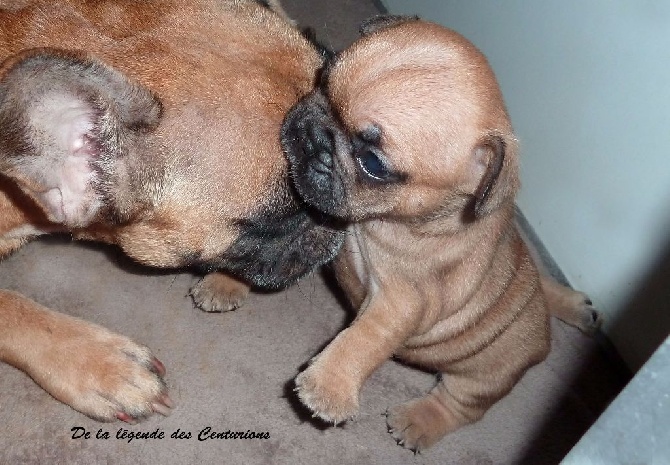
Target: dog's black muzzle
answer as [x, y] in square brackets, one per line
[275, 249]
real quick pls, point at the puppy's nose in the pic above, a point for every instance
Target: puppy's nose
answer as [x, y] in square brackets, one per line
[322, 145]
[325, 159]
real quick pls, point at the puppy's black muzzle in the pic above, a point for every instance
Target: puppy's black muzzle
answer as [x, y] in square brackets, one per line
[309, 136]
[321, 144]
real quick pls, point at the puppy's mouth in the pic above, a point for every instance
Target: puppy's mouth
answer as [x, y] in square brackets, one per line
[309, 137]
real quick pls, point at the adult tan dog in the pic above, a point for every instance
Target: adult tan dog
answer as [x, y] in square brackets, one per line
[408, 137]
[154, 126]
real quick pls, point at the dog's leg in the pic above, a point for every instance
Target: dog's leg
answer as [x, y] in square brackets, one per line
[219, 292]
[573, 307]
[20, 218]
[97, 372]
[330, 386]
[7, 246]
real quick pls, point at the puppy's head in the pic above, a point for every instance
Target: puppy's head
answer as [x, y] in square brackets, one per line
[408, 123]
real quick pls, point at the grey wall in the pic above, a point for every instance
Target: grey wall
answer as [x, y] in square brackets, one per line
[588, 87]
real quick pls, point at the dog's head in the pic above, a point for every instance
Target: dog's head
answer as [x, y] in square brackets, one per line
[408, 123]
[163, 137]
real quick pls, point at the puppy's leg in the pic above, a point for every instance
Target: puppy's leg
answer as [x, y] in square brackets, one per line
[97, 372]
[330, 386]
[219, 292]
[421, 422]
[573, 307]
[469, 387]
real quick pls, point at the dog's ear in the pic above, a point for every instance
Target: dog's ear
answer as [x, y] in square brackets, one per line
[497, 172]
[63, 117]
[380, 22]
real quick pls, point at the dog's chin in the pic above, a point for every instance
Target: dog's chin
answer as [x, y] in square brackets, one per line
[274, 249]
[293, 257]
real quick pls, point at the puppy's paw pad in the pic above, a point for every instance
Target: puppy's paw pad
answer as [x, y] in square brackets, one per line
[329, 398]
[217, 292]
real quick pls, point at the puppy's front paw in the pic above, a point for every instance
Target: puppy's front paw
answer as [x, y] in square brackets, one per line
[101, 374]
[218, 292]
[329, 396]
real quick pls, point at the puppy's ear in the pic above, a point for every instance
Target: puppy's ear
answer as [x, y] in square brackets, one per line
[498, 174]
[380, 22]
[64, 117]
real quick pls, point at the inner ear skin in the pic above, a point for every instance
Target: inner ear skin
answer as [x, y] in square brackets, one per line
[67, 120]
[496, 146]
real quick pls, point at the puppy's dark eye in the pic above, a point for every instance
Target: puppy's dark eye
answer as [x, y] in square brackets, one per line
[372, 166]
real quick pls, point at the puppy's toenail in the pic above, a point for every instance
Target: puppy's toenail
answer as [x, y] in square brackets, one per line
[157, 367]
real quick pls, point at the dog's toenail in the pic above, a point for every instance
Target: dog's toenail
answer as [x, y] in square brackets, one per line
[167, 401]
[125, 417]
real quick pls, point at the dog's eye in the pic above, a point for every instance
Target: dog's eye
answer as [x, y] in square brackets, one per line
[372, 166]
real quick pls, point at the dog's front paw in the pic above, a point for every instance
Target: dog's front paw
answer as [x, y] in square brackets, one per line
[218, 292]
[329, 396]
[101, 374]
